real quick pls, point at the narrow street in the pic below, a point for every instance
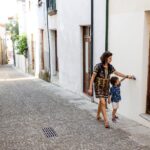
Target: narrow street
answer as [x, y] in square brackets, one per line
[28, 105]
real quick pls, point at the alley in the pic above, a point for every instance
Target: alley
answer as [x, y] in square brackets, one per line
[28, 105]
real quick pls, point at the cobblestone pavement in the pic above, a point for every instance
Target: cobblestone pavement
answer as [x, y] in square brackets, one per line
[27, 105]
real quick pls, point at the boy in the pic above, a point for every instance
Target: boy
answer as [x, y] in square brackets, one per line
[115, 96]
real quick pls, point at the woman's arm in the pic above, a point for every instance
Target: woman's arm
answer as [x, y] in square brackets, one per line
[109, 99]
[90, 91]
[92, 80]
[120, 74]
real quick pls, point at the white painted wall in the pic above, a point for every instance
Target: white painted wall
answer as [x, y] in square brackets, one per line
[99, 29]
[20, 62]
[36, 20]
[32, 24]
[69, 42]
[21, 8]
[128, 40]
[70, 17]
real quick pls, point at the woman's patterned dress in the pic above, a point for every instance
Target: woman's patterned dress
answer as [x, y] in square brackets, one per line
[102, 80]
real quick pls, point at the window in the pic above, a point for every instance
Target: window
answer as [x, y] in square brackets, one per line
[52, 7]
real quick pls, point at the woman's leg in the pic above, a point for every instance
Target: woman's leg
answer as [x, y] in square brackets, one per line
[99, 110]
[103, 108]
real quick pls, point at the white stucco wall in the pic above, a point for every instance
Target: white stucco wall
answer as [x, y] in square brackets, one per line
[20, 62]
[53, 58]
[21, 8]
[99, 29]
[36, 20]
[70, 45]
[70, 17]
[129, 41]
[42, 24]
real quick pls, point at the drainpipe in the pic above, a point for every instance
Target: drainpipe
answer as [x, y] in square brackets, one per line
[92, 33]
[107, 25]
[48, 36]
[92, 39]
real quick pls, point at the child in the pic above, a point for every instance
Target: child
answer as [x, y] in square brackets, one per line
[115, 95]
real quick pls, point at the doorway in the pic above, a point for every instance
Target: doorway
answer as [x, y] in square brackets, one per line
[56, 52]
[148, 91]
[32, 51]
[86, 58]
[42, 49]
[54, 57]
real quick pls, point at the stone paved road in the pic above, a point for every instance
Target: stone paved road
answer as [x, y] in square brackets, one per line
[27, 105]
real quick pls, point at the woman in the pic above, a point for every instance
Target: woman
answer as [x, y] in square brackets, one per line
[100, 78]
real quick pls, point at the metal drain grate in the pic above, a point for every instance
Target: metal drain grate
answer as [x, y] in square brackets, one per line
[49, 132]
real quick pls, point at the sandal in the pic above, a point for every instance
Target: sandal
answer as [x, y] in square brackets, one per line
[107, 125]
[116, 117]
[98, 118]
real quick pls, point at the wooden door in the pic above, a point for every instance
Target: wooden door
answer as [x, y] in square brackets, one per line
[42, 49]
[86, 58]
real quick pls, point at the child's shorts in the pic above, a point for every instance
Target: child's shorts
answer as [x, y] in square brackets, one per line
[115, 105]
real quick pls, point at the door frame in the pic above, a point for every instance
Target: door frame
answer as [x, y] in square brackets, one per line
[86, 38]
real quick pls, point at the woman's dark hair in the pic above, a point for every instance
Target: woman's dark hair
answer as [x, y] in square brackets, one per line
[105, 56]
[113, 80]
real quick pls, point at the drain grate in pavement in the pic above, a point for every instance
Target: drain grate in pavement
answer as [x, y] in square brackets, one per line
[49, 132]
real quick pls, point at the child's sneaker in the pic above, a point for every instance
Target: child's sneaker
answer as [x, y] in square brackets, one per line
[116, 117]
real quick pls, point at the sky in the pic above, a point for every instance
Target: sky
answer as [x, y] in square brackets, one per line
[7, 9]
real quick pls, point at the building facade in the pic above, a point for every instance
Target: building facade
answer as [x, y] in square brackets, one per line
[129, 40]
[59, 46]
[3, 48]
[33, 22]
[70, 32]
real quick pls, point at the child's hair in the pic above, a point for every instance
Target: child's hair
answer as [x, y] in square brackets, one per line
[105, 56]
[113, 80]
